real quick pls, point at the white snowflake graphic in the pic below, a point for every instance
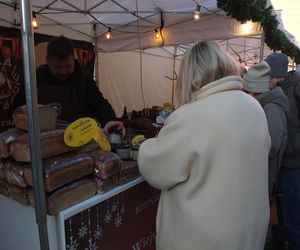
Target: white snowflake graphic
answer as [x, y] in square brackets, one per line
[73, 244]
[118, 221]
[98, 233]
[82, 232]
[92, 245]
[107, 217]
[122, 211]
[114, 207]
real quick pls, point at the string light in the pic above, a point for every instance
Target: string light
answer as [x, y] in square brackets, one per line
[157, 34]
[108, 34]
[34, 22]
[197, 12]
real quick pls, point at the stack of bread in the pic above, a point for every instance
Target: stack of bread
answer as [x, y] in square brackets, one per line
[71, 175]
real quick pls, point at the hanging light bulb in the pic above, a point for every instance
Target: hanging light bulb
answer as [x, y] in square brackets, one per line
[108, 34]
[34, 22]
[157, 34]
[197, 12]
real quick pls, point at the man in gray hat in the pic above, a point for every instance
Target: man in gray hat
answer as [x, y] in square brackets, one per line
[289, 179]
[277, 107]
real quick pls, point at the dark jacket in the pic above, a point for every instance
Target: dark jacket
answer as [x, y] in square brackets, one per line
[291, 87]
[277, 109]
[78, 95]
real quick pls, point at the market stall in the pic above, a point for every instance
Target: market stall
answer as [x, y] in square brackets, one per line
[124, 216]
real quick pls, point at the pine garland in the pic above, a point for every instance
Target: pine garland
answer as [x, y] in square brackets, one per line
[256, 11]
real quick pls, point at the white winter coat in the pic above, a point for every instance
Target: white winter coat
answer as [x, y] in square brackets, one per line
[211, 162]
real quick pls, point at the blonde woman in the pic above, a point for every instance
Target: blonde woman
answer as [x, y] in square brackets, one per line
[210, 160]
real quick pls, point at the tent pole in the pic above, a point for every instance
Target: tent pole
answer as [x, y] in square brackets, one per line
[34, 132]
[96, 63]
[262, 46]
[174, 72]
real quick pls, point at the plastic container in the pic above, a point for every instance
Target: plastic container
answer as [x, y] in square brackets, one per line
[135, 152]
[123, 151]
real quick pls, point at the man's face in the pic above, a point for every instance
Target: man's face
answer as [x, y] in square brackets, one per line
[61, 68]
[274, 82]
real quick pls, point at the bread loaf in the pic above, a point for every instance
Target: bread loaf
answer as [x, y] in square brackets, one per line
[46, 117]
[13, 172]
[6, 138]
[129, 171]
[19, 194]
[68, 195]
[103, 185]
[63, 169]
[106, 163]
[3, 188]
[52, 143]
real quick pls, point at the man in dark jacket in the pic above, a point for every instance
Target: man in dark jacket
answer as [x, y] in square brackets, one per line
[289, 179]
[61, 82]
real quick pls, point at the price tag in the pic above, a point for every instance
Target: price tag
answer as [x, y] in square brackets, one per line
[82, 131]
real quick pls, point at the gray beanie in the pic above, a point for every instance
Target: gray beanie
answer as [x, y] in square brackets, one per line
[278, 63]
[257, 78]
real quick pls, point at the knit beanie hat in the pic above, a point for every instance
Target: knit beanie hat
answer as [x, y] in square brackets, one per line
[278, 63]
[257, 78]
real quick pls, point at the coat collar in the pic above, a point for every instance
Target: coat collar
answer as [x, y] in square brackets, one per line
[221, 85]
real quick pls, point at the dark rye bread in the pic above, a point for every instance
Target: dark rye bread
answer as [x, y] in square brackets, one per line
[19, 194]
[129, 171]
[6, 138]
[3, 188]
[106, 163]
[68, 195]
[63, 169]
[52, 144]
[13, 172]
[47, 117]
[103, 185]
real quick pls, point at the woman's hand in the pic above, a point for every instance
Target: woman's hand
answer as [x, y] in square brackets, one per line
[117, 125]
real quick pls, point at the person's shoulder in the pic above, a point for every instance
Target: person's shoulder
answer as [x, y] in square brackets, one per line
[42, 69]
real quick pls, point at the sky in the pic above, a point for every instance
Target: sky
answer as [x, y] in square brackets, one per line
[290, 10]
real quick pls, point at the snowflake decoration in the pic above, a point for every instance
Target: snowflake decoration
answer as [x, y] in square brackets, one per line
[107, 217]
[73, 244]
[122, 211]
[114, 207]
[92, 245]
[118, 221]
[82, 232]
[98, 233]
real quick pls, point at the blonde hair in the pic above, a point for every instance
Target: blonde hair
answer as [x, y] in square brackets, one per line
[205, 62]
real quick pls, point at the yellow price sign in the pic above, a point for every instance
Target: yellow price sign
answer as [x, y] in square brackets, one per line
[82, 131]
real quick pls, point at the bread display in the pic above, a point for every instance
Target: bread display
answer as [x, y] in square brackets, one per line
[129, 171]
[13, 172]
[106, 163]
[6, 138]
[68, 195]
[63, 169]
[46, 117]
[103, 185]
[52, 143]
[19, 194]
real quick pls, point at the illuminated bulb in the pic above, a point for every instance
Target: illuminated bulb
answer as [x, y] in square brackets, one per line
[108, 34]
[157, 34]
[34, 22]
[197, 12]
[246, 26]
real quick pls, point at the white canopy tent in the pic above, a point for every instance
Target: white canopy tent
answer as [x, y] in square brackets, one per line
[137, 79]
[132, 23]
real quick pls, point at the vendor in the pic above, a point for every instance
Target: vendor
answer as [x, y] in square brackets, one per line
[61, 82]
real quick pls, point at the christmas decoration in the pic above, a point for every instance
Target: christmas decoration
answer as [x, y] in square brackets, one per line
[257, 11]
